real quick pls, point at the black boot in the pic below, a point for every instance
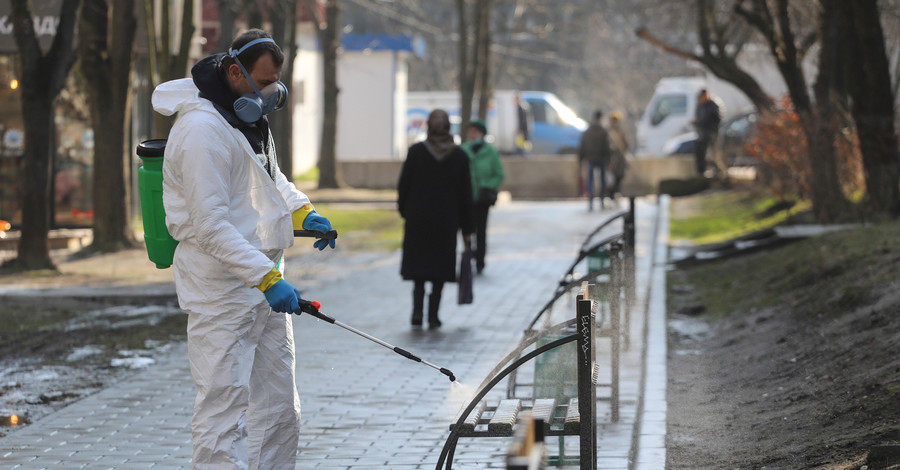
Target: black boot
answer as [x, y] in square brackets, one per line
[418, 303]
[434, 302]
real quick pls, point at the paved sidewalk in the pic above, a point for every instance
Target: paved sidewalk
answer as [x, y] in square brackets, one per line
[365, 407]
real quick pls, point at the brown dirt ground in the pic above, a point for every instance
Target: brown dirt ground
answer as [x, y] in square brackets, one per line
[810, 381]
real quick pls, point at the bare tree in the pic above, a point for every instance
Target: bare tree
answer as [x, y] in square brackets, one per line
[164, 65]
[787, 48]
[106, 40]
[43, 76]
[722, 37]
[328, 30]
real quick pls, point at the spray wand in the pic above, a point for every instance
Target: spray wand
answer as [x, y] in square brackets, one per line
[312, 308]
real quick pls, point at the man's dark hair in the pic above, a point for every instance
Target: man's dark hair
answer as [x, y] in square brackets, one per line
[598, 114]
[251, 55]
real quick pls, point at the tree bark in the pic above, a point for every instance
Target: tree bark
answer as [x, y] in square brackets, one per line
[106, 37]
[165, 66]
[485, 85]
[281, 123]
[868, 79]
[43, 76]
[466, 69]
[328, 30]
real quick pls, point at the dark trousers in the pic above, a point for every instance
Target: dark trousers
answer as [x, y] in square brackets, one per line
[700, 147]
[593, 168]
[434, 301]
[481, 218]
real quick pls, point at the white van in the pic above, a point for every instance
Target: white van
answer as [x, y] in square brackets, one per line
[668, 114]
[555, 128]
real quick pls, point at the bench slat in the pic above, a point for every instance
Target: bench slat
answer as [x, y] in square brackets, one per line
[573, 419]
[468, 426]
[544, 409]
[505, 416]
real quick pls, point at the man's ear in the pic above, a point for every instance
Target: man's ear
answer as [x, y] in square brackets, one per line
[234, 73]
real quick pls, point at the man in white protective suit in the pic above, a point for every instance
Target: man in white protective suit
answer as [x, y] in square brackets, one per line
[233, 213]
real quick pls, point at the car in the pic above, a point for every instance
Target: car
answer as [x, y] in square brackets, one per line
[734, 134]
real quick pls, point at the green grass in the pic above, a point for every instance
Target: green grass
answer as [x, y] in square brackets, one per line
[310, 175]
[719, 216]
[362, 228]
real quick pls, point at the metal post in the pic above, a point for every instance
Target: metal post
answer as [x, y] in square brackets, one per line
[615, 308]
[587, 401]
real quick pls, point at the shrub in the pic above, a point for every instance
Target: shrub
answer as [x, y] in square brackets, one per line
[780, 147]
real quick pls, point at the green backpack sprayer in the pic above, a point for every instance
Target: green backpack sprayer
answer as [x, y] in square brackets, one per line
[160, 245]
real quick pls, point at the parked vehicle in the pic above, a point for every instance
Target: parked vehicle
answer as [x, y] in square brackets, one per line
[668, 118]
[555, 128]
[734, 135]
[730, 145]
[669, 112]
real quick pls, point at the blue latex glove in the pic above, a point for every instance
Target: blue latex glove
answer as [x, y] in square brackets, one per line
[283, 297]
[314, 221]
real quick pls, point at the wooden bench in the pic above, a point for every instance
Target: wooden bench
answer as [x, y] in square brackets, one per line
[576, 417]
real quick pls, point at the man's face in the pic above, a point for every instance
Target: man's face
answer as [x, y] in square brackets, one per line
[474, 133]
[263, 73]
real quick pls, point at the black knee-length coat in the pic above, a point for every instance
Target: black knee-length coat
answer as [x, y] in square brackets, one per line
[435, 199]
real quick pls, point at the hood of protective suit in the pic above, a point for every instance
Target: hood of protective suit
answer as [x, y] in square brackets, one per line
[230, 216]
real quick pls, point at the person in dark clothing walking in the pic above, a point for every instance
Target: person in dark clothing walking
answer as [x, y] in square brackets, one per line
[594, 150]
[706, 119]
[435, 200]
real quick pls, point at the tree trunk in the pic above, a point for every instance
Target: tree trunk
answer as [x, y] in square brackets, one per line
[329, 36]
[867, 72]
[825, 189]
[281, 123]
[227, 19]
[466, 69]
[485, 86]
[105, 47]
[43, 76]
[34, 249]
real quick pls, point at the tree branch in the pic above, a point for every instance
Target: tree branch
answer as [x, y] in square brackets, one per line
[649, 37]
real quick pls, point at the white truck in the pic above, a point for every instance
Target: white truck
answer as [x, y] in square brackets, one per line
[667, 118]
[554, 127]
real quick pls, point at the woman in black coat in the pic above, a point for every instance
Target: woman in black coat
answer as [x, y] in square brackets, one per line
[435, 199]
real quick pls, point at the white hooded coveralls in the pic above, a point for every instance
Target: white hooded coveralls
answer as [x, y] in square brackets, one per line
[232, 222]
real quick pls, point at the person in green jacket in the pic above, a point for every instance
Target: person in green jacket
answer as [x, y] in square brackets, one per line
[487, 176]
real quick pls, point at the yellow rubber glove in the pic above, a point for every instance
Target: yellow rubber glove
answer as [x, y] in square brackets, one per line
[269, 280]
[299, 216]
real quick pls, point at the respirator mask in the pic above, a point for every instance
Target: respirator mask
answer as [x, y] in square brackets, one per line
[252, 106]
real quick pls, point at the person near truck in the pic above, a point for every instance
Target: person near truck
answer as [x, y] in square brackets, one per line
[706, 120]
[523, 135]
[487, 176]
[593, 154]
[434, 197]
[234, 212]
